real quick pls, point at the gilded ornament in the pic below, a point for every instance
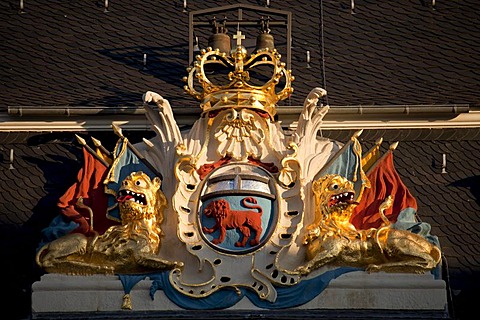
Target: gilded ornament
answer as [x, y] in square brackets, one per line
[333, 240]
[131, 247]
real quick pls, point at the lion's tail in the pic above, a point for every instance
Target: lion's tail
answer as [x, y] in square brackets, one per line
[40, 254]
[251, 203]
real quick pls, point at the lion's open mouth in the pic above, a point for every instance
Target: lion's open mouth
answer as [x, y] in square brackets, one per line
[341, 199]
[128, 195]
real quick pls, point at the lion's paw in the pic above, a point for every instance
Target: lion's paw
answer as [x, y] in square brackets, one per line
[239, 244]
[373, 268]
[303, 270]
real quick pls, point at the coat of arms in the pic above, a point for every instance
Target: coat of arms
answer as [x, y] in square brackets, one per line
[237, 203]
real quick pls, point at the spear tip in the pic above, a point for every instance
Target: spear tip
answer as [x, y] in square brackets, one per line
[96, 142]
[117, 130]
[358, 133]
[394, 146]
[80, 140]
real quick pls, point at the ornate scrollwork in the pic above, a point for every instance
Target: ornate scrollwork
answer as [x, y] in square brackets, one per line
[239, 135]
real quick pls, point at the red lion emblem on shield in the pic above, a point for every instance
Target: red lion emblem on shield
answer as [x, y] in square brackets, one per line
[243, 220]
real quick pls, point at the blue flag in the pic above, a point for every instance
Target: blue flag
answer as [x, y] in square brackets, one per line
[347, 162]
[125, 162]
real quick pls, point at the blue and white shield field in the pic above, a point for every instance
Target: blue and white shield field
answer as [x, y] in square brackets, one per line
[248, 221]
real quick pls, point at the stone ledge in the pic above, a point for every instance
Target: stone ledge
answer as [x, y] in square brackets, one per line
[364, 314]
[351, 292]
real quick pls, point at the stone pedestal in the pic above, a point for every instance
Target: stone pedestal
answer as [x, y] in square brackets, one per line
[351, 293]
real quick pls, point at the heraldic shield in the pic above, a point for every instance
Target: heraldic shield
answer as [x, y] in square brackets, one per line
[237, 209]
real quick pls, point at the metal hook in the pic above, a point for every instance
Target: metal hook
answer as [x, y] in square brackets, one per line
[444, 163]
[11, 160]
[144, 61]
[21, 7]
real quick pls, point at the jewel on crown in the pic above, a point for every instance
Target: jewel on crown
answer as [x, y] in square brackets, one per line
[237, 90]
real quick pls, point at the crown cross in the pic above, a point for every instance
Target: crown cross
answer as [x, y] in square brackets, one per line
[239, 36]
[237, 91]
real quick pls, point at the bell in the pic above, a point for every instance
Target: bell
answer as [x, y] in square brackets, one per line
[220, 41]
[264, 40]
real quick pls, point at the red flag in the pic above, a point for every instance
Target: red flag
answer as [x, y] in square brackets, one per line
[384, 181]
[89, 186]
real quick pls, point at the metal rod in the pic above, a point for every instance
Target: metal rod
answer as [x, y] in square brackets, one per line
[92, 152]
[248, 23]
[444, 163]
[118, 132]
[11, 159]
[99, 145]
[391, 148]
[346, 110]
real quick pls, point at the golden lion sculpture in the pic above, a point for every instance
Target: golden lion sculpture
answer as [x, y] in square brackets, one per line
[332, 239]
[131, 247]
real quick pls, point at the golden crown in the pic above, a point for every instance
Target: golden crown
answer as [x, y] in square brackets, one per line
[239, 91]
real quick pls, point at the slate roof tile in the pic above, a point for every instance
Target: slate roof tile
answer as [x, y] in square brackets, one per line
[456, 235]
[472, 262]
[352, 34]
[439, 220]
[464, 197]
[13, 215]
[449, 252]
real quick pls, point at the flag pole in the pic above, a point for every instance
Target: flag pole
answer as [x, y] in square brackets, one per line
[92, 152]
[378, 142]
[371, 156]
[118, 132]
[334, 158]
[99, 145]
[392, 147]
